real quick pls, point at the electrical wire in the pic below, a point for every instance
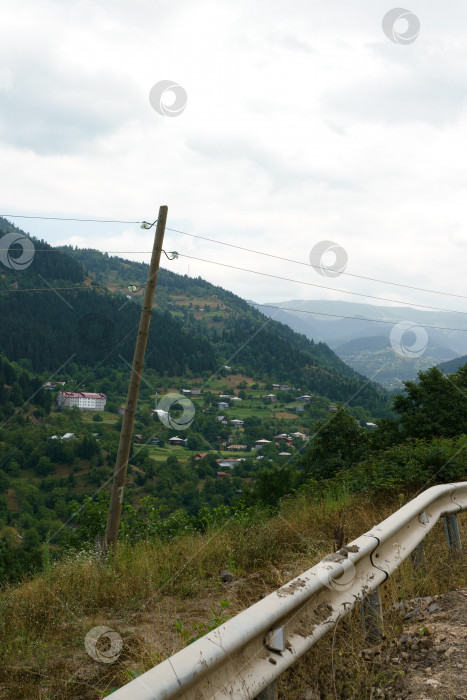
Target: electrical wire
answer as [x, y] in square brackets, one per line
[272, 306]
[232, 245]
[306, 264]
[263, 274]
[356, 318]
[62, 289]
[59, 218]
[320, 286]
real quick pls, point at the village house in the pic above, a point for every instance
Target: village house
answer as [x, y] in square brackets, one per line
[222, 405]
[67, 436]
[299, 435]
[85, 401]
[162, 415]
[236, 447]
[271, 397]
[227, 462]
[177, 441]
[237, 423]
[261, 443]
[286, 438]
[196, 392]
[200, 455]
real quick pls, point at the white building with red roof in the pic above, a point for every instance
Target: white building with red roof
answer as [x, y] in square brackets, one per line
[84, 400]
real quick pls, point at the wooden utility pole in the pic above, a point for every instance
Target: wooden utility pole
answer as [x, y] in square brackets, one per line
[116, 499]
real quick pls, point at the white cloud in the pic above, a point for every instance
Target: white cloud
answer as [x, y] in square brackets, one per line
[303, 123]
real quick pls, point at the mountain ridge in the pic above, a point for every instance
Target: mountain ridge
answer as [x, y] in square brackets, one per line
[85, 323]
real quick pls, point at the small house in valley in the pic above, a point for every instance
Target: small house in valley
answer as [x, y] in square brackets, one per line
[177, 441]
[237, 423]
[261, 443]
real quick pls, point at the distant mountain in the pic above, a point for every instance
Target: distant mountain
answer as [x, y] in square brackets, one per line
[89, 319]
[365, 343]
[453, 365]
[375, 358]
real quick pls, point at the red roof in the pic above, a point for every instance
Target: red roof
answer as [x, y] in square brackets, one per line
[82, 395]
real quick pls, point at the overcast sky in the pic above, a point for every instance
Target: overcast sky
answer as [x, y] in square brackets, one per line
[303, 122]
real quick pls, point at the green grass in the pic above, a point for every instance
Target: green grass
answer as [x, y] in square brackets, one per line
[148, 591]
[109, 418]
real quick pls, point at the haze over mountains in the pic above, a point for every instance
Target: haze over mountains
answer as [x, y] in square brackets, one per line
[365, 343]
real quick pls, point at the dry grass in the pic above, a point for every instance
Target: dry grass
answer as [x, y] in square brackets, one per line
[144, 589]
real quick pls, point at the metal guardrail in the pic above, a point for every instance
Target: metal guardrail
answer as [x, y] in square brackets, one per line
[244, 656]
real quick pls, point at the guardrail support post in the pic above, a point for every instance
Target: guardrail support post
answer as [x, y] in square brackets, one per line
[452, 532]
[417, 558]
[269, 693]
[372, 616]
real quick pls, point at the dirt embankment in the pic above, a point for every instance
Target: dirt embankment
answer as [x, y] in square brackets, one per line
[430, 656]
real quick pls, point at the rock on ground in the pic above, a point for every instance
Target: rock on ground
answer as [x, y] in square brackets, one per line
[431, 654]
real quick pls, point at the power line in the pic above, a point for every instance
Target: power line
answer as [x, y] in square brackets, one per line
[263, 274]
[272, 306]
[62, 289]
[355, 318]
[321, 286]
[232, 245]
[300, 262]
[59, 218]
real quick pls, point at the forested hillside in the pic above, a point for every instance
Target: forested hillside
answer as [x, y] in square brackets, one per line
[70, 318]
[453, 365]
[92, 323]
